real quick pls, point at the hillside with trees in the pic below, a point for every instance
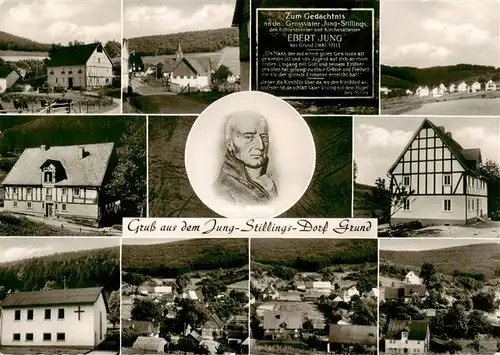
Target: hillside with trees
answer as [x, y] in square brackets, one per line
[475, 258]
[177, 258]
[411, 77]
[191, 42]
[16, 43]
[85, 268]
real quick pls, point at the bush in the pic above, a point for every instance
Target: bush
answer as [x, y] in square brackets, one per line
[129, 336]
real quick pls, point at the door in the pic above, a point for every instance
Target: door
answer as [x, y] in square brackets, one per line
[70, 83]
[49, 209]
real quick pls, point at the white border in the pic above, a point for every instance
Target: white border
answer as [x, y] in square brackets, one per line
[319, 97]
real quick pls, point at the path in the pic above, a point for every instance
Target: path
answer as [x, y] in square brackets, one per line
[115, 110]
[491, 230]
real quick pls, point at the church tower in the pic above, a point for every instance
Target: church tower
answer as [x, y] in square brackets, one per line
[178, 53]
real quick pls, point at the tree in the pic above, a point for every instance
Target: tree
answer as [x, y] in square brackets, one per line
[159, 69]
[478, 324]
[456, 321]
[145, 309]
[363, 313]
[426, 272]
[221, 74]
[191, 314]
[114, 308]
[129, 177]
[50, 285]
[484, 301]
[308, 325]
[491, 171]
[354, 170]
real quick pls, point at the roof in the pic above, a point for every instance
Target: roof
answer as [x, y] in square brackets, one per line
[456, 149]
[417, 329]
[240, 285]
[214, 321]
[53, 297]
[150, 343]
[188, 67]
[405, 290]
[353, 334]
[73, 55]
[141, 326]
[274, 320]
[87, 171]
[318, 284]
[4, 72]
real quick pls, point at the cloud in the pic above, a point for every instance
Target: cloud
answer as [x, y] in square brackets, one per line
[480, 137]
[378, 137]
[84, 33]
[418, 49]
[32, 13]
[462, 34]
[1, 2]
[17, 253]
[167, 19]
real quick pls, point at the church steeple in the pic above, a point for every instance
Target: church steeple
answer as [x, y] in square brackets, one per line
[178, 53]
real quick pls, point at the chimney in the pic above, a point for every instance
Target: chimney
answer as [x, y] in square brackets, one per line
[81, 152]
[43, 147]
[441, 128]
[449, 135]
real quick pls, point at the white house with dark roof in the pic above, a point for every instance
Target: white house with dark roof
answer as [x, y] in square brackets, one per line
[476, 86]
[412, 278]
[490, 86]
[81, 66]
[462, 87]
[407, 337]
[187, 72]
[61, 182]
[444, 179]
[68, 317]
[282, 325]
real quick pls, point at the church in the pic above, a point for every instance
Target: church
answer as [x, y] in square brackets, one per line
[444, 179]
[66, 317]
[84, 66]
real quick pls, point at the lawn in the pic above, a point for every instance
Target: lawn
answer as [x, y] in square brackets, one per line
[168, 103]
[42, 350]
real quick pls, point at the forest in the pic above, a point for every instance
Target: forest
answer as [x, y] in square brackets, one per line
[315, 254]
[177, 258]
[190, 42]
[86, 268]
[410, 77]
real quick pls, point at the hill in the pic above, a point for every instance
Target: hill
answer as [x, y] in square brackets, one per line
[411, 77]
[313, 254]
[16, 43]
[87, 268]
[176, 258]
[475, 258]
[191, 42]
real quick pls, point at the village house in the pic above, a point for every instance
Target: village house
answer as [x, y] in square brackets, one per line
[270, 293]
[212, 328]
[452, 88]
[422, 91]
[160, 290]
[319, 286]
[346, 335]
[62, 182]
[194, 295]
[241, 19]
[490, 86]
[462, 87]
[409, 92]
[290, 296]
[8, 77]
[142, 327]
[385, 90]
[68, 317]
[442, 88]
[282, 325]
[476, 86]
[442, 180]
[406, 292]
[407, 336]
[412, 278]
[437, 92]
[83, 66]
[300, 285]
[348, 293]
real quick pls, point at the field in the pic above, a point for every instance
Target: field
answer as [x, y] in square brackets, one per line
[170, 103]
[321, 251]
[475, 258]
[195, 254]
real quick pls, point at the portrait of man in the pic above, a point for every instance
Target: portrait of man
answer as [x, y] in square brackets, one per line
[243, 176]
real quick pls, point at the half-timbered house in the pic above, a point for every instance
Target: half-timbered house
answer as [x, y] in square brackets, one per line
[442, 178]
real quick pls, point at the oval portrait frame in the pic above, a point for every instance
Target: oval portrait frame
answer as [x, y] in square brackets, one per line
[291, 153]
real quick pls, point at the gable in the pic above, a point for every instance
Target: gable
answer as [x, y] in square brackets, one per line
[73, 55]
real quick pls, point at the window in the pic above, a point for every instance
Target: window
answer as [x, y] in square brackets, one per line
[16, 337]
[60, 313]
[28, 204]
[98, 60]
[15, 203]
[76, 192]
[418, 341]
[468, 205]
[47, 336]
[64, 207]
[447, 205]
[406, 205]
[17, 314]
[447, 180]
[47, 176]
[406, 181]
[64, 191]
[473, 182]
[29, 336]
[28, 190]
[47, 314]
[30, 314]
[55, 206]
[14, 190]
[61, 336]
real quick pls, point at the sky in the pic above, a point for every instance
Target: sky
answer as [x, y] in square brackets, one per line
[378, 141]
[23, 248]
[428, 244]
[423, 33]
[59, 21]
[154, 17]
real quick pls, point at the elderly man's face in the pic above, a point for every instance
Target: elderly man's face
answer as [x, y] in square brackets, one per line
[250, 141]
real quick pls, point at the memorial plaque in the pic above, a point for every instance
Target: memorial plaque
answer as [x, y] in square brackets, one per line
[315, 53]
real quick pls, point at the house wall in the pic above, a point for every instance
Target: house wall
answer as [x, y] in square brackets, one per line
[398, 346]
[10, 80]
[193, 81]
[429, 210]
[3, 84]
[99, 70]
[125, 65]
[100, 320]
[60, 76]
[77, 332]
